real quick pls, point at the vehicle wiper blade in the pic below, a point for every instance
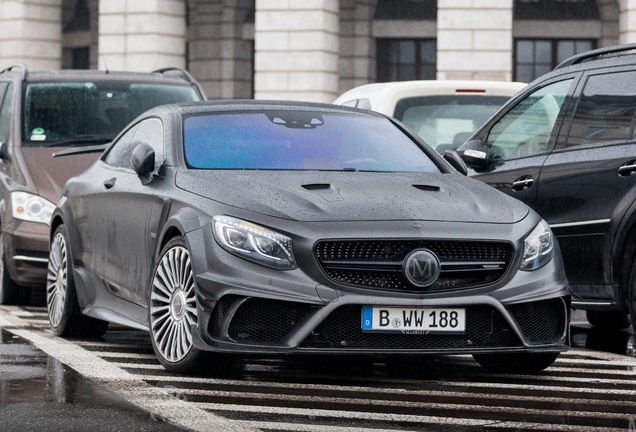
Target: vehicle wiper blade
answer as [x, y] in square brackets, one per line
[84, 149]
[81, 139]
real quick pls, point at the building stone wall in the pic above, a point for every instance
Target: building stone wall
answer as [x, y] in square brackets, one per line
[296, 50]
[289, 49]
[357, 50]
[220, 47]
[142, 35]
[627, 21]
[31, 33]
[474, 39]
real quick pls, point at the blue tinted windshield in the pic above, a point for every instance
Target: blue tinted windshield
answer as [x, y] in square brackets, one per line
[292, 140]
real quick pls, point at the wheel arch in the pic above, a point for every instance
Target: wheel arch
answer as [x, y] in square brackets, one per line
[179, 224]
[624, 251]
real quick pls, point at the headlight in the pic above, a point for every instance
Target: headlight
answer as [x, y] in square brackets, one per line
[254, 242]
[32, 208]
[538, 248]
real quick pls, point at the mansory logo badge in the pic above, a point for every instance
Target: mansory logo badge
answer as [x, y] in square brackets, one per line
[422, 267]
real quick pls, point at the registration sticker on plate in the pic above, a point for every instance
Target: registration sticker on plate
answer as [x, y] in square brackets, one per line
[413, 320]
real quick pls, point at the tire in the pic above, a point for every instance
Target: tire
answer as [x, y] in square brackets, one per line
[608, 320]
[63, 310]
[172, 310]
[521, 363]
[631, 296]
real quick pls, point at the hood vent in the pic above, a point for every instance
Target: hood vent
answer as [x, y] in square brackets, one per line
[317, 186]
[427, 188]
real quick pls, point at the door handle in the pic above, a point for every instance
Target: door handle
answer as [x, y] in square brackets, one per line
[522, 183]
[110, 183]
[627, 169]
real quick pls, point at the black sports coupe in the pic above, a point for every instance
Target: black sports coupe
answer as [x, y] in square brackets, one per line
[270, 228]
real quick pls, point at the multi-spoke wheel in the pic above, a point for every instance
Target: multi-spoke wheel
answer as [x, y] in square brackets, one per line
[57, 281]
[173, 309]
[61, 299]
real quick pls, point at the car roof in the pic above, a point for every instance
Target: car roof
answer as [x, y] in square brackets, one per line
[261, 105]
[609, 57]
[172, 75]
[384, 96]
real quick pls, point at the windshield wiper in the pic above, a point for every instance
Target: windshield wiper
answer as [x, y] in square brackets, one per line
[98, 148]
[81, 139]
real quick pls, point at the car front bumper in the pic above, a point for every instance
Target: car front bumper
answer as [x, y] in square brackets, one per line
[26, 251]
[246, 308]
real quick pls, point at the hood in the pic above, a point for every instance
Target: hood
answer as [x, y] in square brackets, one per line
[356, 196]
[49, 174]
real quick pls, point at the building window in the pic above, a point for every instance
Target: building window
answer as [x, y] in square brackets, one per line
[556, 10]
[535, 57]
[406, 59]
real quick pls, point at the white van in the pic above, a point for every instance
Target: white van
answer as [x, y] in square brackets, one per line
[442, 113]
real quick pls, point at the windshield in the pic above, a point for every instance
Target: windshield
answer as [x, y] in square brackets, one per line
[446, 122]
[296, 140]
[85, 112]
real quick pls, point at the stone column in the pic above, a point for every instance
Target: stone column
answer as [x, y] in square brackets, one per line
[627, 21]
[31, 33]
[141, 35]
[296, 50]
[474, 39]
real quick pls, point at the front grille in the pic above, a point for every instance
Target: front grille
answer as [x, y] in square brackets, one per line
[378, 264]
[255, 320]
[485, 328]
[541, 321]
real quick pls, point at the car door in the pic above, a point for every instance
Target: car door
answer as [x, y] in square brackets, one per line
[125, 208]
[520, 140]
[588, 183]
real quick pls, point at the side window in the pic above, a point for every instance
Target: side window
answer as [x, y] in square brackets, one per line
[526, 129]
[122, 149]
[149, 131]
[605, 109]
[5, 111]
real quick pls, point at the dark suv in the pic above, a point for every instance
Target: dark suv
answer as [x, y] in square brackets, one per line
[43, 112]
[566, 146]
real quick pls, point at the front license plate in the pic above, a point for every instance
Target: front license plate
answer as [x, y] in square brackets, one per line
[413, 320]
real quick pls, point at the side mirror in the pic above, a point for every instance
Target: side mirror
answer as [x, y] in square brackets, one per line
[456, 161]
[474, 153]
[4, 150]
[143, 162]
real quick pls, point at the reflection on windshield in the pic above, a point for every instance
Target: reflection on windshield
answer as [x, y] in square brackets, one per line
[297, 140]
[63, 111]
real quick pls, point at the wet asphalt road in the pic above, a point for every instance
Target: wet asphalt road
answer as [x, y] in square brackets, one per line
[116, 384]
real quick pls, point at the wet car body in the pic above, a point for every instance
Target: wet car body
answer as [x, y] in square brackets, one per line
[292, 259]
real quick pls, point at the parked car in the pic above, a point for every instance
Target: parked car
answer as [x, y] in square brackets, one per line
[565, 146]
[280, 228]
[443, 113]
[42, 112]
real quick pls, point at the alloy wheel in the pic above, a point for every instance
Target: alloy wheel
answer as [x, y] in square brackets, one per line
[57, 280]
[173, 305]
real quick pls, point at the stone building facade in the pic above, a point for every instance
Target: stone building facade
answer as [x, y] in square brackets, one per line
[310, 49]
